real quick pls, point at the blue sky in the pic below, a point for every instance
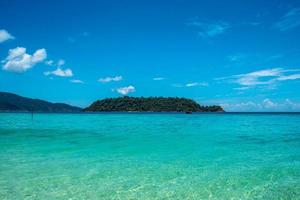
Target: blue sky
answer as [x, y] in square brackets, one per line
[243, 55]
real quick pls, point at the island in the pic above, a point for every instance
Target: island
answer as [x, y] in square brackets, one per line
[150, 104]
[10, 102]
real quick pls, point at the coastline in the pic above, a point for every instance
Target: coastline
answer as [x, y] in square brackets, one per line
[148, 112]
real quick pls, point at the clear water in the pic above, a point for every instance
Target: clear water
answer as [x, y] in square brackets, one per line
[149, 156]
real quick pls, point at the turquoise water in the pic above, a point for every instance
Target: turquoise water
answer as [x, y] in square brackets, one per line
[149, 156]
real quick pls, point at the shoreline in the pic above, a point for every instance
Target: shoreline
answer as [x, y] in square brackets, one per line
[148, 112]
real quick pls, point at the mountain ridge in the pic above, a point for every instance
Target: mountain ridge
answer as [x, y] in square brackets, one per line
[13, 102]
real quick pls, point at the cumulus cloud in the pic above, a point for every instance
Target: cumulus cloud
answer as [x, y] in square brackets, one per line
[262, 77]
[289, 21]
[267, 103]
[4, 35]
[76, 81]
[242, 106]
[209, 29]
[60, 72]
[158, 78]
[294, 106]
[126, 90]
[19, 61]
[264, 105]
[109, 79]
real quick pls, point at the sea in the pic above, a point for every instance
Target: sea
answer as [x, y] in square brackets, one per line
[150, 156]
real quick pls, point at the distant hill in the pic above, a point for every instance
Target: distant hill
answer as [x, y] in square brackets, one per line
[153, 104]
[13, 102]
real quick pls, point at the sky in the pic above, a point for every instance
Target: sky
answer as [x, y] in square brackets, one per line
[242, 55]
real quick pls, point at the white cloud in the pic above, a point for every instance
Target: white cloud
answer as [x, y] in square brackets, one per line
[264, 105]
[39, 56]
[289, 77]
[49, 62]
[206, 29]
[60, 63]
[267, 103]
[4, 35]
[126, 90]
[76, 81]
[192, 84]
[109, 79]
[196, 84]
[60, 72]
[262, 77]
[292, 105]
[19, 61]
[158, 78]
[253, 78]
[289, 21]
[242, 106]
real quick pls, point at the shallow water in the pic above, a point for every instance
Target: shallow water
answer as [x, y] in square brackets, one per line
[149, 156]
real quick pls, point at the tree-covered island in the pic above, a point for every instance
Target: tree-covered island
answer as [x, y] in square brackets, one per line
[150, 104]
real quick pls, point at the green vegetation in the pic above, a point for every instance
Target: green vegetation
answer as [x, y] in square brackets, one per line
[152, 104]
[13, 102]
